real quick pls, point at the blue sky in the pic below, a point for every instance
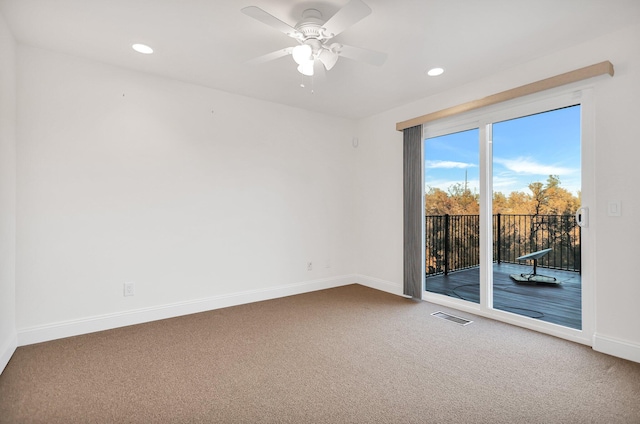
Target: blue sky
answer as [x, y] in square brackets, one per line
[525, 150]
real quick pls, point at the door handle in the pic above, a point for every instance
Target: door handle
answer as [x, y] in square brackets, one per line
[582, 217]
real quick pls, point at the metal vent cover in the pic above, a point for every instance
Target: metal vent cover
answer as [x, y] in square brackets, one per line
[452, 318]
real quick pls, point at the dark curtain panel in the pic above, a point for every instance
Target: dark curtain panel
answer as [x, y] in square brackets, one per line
[413, 211]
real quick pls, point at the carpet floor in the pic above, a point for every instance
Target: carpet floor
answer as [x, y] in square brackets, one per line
[344, 355]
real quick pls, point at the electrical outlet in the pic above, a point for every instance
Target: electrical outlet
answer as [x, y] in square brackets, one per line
[129, 289]
[309, 266]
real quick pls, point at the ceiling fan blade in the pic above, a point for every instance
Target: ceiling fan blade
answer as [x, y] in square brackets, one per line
[271, 56]
[371, 57]
[353, 12]
[272, 21]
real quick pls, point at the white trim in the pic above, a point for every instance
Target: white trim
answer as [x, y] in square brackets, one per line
[451, 302]
[616, 347]
[7, 350]
[485, 216]
[382, 285]
[607, 345]
[588, 197]
[448, 127]
[58, 330]
[544, 327]
[534, 103]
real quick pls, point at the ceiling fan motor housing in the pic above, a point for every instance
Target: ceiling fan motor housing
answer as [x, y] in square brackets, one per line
[311, 25]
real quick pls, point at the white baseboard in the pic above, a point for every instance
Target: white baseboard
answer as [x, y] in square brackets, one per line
[382, 285]
[616, 347]
[7, 349]
[92, 324]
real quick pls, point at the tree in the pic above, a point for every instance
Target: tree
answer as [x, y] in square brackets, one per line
[545, 199]
[437, 202]
[500, 203]
[539, 197]
[464, 201]
[560, 201]
[457, 201]
[535, 220]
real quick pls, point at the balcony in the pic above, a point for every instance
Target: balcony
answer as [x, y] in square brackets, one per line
[453, 260]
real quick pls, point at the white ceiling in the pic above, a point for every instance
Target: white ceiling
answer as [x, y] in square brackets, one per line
[207, 42]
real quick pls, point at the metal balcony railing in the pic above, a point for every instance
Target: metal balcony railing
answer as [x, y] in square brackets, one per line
[453, 241]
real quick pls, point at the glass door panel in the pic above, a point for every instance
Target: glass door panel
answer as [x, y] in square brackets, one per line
[452, 224]
[536, 240]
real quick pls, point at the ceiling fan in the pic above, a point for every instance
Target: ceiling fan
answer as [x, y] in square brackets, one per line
[314, 37]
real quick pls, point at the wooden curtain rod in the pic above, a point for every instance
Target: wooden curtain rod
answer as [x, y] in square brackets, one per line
[567, 78]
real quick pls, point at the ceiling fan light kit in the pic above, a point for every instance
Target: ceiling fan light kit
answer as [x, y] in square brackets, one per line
[313, 36]
[302, 54]
[306, 68]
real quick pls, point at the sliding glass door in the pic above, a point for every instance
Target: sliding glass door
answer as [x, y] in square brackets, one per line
[536, 239]
[452, 212]
[502, 233]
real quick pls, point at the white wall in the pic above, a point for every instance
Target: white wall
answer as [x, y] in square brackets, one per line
[617, 292]
[206, 199]
[8, 340]
[202, 198]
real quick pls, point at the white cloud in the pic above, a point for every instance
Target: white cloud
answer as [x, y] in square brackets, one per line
[530, 167]
[473, 185]
[504, 183]
[433, 164]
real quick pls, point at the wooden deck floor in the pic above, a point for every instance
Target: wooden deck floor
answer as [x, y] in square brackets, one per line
[559, 304]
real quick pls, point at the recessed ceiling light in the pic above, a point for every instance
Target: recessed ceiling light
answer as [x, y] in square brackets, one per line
[434, 72]
[142, 48]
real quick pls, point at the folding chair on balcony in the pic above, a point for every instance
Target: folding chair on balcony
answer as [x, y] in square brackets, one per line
[534, 277]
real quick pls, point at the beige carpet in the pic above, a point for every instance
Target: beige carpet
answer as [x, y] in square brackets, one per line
[345, 355]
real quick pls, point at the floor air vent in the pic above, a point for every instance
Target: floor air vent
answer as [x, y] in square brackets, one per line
[451, 318]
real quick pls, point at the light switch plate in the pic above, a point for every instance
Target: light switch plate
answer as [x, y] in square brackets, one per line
[613, 208]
